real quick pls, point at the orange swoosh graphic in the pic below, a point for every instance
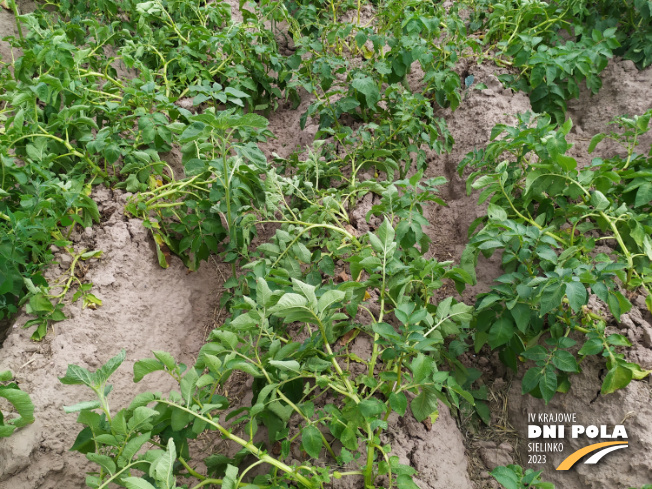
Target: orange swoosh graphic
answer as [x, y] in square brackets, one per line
[575, 456]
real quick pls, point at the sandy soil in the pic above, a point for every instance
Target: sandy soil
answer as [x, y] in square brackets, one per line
[147, 308]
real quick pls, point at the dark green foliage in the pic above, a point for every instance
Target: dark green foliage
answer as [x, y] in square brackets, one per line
[546, 215]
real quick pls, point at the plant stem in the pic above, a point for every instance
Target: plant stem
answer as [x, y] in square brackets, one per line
[14, 8]
[255, 451]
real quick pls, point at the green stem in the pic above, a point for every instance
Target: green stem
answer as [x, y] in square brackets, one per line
[255, 451]
[336, 365]
[220, 482]
[114, 476]
[190, 470]
[68, 146]
[72, 277]
[14, 8]
[227, 197]
[619, 239]
[369, 476]
[440, 322]
[100, 75]
[308, 227]
[300, 413]
[630, 152]
[528, 220]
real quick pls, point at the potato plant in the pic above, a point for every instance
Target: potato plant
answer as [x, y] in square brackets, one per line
[557, 45]
[547, 216]
[23, 409]
[69, 123]
[306, 395]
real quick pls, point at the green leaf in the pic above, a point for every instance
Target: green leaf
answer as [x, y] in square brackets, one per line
[230, 477]
[105, 371]
[617, 377]
[385, 330]
[103, 461]
[386, 235]
[188, 384]
[496, 213]
[42, 91]
[137, 483]
[192, 132]
[405, 481]
[568, 163]
[263, 292]
[618, 304]
[311, 441]
[642, 121]
[22, 403]
[252, 153]
[564, 361]
[39, 303]
[141, 417]
[618, 340]
[422, 367]
[483, 411]
[424, 404]
[360, 38]
[577, 296]
[591, 347]
[599, 201]
[370, 408]
[595, 140]
[551, 299]
[166, 359]
[530, 380]
[287, 365]
[81, 405]
[288, 301]
[236, 93]
[521, 314]
[644, 195]
[108, 440]
[548, 383]
[398, 402]
[179, 419]
[330, 297]
[246, 367]
[496, 131]
[537, 353]
[546, 253]
[146, 366]
[308, 291]
[501, 332]
[249, 120]
[76, 375]
[506, 477]
[132, 447]
[483, 181]
[368, 87]
[163, 469]
[244, 321]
